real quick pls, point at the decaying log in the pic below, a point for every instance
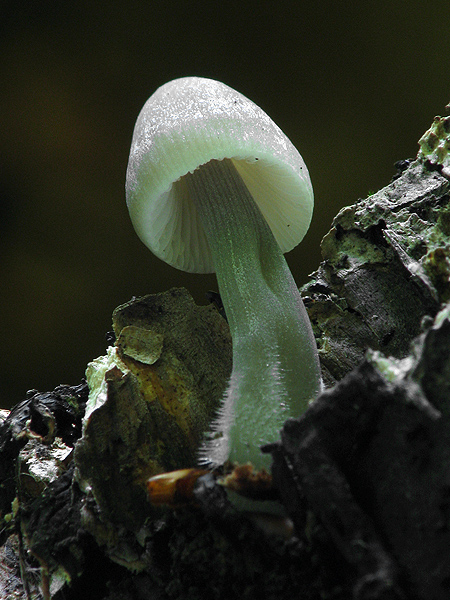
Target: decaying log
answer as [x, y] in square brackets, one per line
[363, 475]
[372, 456]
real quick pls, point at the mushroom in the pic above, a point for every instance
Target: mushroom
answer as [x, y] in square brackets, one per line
[214, 184]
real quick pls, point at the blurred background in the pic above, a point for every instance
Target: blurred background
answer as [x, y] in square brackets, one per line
[354, 85]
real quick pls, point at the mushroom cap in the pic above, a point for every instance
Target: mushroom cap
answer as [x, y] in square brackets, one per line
[186, 123]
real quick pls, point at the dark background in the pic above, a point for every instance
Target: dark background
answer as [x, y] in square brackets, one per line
[354, 85]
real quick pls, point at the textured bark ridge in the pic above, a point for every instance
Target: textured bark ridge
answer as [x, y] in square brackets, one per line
[372, 457]
[151, 399]
[385, 267]
[363, 476]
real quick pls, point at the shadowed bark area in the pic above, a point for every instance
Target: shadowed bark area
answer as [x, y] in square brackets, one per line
[363, 475]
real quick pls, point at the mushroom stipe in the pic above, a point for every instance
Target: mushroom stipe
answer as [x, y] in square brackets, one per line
[214, 184]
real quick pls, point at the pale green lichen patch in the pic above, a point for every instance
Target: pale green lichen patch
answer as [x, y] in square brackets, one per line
[437, 265]
[442, 316]
[95, 376]
[392, 369]
[141, 344]
[351, 251]
[435, 145]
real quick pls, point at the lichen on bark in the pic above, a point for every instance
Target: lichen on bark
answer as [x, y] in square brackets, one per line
[385, 266]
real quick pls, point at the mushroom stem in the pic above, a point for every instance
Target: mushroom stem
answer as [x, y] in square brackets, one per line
[276, 370]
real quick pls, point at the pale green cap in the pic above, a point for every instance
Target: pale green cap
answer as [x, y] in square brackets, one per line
[186, 123]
